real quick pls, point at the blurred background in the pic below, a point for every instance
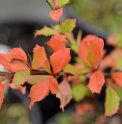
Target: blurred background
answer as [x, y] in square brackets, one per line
[18, 21]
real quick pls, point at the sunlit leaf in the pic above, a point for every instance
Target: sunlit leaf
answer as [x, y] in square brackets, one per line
[96, 82]
[79, 91]
[68, 25]
[72, 70]
[56, 14]
[46, 31]
[55, 44]
[65, 94]
[112, 102]
[38, 92]
[54, 88]
[33, 79]
[117, 77]
[60, 59]
[21, 77]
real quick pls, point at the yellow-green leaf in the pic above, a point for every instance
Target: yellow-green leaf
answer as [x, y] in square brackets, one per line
[79, 91]
[68, 25]
[51, 3]
[112, 102]
[21, 77]
[62, 3]
[33, 79]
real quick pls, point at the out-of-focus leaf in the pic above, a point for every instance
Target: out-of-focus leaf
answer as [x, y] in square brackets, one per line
[72, 69]
[33, 79]
[55, 44]
[60, 59]
[119, 92]
[117, 77]
[57, 28]
[38, 92]
[21, 77]
[51, 3]
[63, 3]
[2, 88]
[74, 46]
[46, 31]
[56, 14]
[112, 102]
[96, 82]
[65, 94]
[79, 91]
[68, 25]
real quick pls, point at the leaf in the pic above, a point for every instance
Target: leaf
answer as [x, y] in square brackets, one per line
[2, 88]
[56, 3]
[60, 59]
[95, 53]
[21, 77]
[74, 46]
[111, 102]
[39, 57]
[63, 3]
[33, 79]
[54, 88]
[17, 53]
[56, 14]
[51, 3]
[65, 94]
[79, 91]
[72, 70]
[55, 44]
[19, 88]
[117, 77]
[38, 92]
[96, 82]
[13, 66]
[68, 25]
[91, 50]
[46, 66]
[46, 31]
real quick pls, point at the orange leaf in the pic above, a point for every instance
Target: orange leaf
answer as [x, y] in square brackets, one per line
[56, 14]
[96, 82]
[2, 88]
[60, 59]
[54, 88]
[91, 50]
[17, 53]
[55, 44]
[117, 77]
[12, 66]
[65, 94]
[39, 57]
[38, 92]
[56, 3]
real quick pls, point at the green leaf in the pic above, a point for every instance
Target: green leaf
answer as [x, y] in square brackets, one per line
[112, 102]
[46, 31]
[57, 28]
[33, 79]
[74, 46]
[63, 3]
[119, 92]
[51, 3]
[68, 25]
[21, 77]
[119, 39]
[72, 69]
[79, 91]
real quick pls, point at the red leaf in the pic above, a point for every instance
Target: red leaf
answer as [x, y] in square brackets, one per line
[65, 94]
[56, 14]
[54, 88]
[96, 82]
[91, 50]
[55, 44]
[38, 92]
[60, 59]
[12, 66]
[117, 77]
[56, 3]
[39, 57]
[2, 88]
[17, 53]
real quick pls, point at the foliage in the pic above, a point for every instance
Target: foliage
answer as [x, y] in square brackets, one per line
[87, 75]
